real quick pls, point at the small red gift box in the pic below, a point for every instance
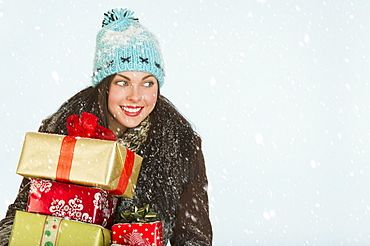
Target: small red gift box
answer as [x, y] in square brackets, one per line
[146, 234]
[76, 202]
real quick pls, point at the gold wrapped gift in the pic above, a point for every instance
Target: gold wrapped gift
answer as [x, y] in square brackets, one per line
[91, 162]
[37, 229]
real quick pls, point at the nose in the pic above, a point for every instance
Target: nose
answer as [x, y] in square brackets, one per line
[133, 94]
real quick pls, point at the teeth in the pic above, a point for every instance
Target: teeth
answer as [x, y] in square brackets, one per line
[131, 110]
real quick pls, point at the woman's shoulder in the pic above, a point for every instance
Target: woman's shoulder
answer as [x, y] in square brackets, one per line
[170, 117]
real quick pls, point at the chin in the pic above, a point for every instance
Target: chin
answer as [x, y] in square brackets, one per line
[132, 124]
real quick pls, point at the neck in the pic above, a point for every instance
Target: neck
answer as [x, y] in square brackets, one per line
[116, 127]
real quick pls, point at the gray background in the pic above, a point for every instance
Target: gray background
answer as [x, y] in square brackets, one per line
[278, 90]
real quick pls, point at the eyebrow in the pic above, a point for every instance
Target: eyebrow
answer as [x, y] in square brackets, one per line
[150, 75]
[123, 76]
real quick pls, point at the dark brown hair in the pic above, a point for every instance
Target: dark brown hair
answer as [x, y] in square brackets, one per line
[93, 100]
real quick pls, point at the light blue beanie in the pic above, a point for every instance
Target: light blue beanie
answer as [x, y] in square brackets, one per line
[123, 44]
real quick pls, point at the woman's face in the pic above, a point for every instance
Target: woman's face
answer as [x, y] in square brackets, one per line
[132, 97]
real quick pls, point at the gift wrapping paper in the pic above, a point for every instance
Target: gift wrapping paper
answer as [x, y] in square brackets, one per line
[71, 201]
[145, 234]
[37, 229]
[91, 162]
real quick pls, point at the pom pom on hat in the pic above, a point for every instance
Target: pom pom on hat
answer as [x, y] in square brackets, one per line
[123, 44]
[117, 14]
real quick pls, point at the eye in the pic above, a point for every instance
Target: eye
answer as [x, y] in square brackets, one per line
[148, 84]
[122, 83]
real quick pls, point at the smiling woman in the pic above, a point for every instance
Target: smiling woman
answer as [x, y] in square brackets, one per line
[128, 73]
[132, 97]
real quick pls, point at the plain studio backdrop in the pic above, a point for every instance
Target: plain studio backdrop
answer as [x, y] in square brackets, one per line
[278, 90]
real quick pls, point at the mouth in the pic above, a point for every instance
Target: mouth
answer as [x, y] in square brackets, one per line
[131, 110]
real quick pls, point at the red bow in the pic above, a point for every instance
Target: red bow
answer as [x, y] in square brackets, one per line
[87, 126]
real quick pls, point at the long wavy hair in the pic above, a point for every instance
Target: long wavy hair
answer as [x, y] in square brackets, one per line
[91, 99]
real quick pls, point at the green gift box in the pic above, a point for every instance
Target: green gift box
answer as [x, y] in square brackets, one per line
[37, 229]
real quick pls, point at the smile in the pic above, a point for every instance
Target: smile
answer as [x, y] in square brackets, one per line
[132, 110]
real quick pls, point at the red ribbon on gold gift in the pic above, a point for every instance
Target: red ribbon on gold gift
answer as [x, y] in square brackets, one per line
[65, 159]
[125, 174]
[65, 164]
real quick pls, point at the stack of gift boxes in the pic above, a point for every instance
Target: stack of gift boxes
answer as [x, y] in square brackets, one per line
[73, 193]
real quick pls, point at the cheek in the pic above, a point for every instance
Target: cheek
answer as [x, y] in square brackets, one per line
[115, 94]
[113, 100]
[150, 96]
[152, 99]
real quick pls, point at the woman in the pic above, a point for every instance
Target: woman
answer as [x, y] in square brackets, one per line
[128, 74]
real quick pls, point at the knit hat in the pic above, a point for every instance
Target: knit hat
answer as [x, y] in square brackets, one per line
[125, 45]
